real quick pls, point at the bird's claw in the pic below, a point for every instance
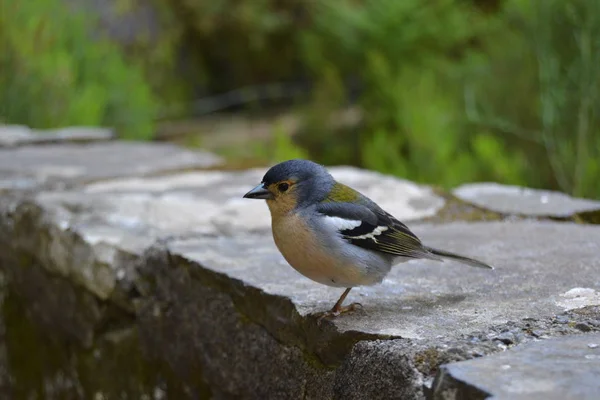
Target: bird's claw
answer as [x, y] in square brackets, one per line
[337, 311]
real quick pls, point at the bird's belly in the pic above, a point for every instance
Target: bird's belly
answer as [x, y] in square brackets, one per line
[310, 258]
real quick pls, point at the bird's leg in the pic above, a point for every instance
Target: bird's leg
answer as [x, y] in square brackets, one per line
[338, 309]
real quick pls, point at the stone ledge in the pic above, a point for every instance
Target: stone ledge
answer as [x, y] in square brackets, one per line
[180, 276]
[423, 300]
[91, 233]
[558, 368]
[187, 297]
[521, 201]
[70, 164]
[19, 135]
[424, 314]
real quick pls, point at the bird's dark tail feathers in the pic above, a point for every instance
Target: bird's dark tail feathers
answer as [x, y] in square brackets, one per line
[458, 257]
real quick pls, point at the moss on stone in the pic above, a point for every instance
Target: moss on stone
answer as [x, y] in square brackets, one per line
[457, 210]
[46, 363]
[428, 360]
[589, 217]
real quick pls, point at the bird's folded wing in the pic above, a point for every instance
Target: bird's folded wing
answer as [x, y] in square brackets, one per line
[372, 228]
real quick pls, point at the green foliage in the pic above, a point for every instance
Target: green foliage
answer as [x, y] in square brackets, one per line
[55, 73]
[239, 43]
[284, 148]
[449, 91]
[155, 47]
[318, 137]
[279, 147]
[408, 54]
[453, 95]
[555, 92]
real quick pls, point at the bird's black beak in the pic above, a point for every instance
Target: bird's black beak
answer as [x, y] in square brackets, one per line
[259, 192]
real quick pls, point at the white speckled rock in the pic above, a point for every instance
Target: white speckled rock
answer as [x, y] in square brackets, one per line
[211, 201]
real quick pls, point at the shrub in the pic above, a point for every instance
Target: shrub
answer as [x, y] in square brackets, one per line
[409, 57]
[450, 94]
[55, 73]
[543, 90]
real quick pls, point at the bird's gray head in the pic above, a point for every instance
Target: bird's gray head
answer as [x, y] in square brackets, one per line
[293, 183]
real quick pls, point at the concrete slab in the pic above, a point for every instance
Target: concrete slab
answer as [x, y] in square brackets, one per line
[552, 369]
[524, 201]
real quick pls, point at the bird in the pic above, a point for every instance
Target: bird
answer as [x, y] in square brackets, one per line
[335, 235]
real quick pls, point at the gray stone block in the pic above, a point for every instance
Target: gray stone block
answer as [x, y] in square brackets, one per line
[19, 135]
[91, 232]
[557, 368]
[171, 286]
[30, 167]
[423, 300]
[524, 201]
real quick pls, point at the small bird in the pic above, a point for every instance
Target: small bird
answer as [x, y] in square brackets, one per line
[333, 234]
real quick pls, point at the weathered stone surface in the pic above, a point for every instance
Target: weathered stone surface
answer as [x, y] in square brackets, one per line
[524, 201]
[191, 320]
[578, 298]
[62, 343]
[211, 201]
[558, 368]
[5, 376]
[92, 232]
[427, 299]
[173, 282]
[19, 135]
[192, 277]
[30, 166]
[224, 304]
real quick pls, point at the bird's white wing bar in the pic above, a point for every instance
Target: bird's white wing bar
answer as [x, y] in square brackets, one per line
[342, 224]
[371, 235]
[353, 229]
[369, 227]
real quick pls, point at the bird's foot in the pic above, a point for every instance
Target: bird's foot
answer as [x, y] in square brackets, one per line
[338, 310]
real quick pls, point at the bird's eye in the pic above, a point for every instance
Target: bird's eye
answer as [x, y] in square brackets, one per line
[283, 187]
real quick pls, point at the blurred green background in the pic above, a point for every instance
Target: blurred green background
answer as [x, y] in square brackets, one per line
[437, 91]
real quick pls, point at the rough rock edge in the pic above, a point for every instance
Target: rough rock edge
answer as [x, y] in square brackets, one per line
[278, 316]
[447, 387]
[21, 216]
